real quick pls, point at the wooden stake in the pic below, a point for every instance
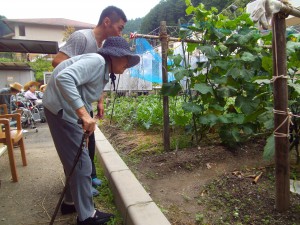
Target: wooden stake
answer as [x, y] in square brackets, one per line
[164, 52]
[282, 169]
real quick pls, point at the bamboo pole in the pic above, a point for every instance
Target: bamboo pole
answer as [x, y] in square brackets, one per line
[282, 169]
[169, 38]
[164, 51]
[290, 10]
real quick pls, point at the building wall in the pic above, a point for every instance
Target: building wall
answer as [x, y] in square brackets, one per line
[291, 20]
[41, 33]
[10, 76]
[295, 3]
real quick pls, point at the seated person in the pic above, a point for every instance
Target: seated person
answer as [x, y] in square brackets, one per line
[43, 88]
[30, 89]
[6, 94]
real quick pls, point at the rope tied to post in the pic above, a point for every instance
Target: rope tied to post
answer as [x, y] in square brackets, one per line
[164, 36]
[274, 78]
[288, 119]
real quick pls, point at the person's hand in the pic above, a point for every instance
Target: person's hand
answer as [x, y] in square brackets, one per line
[88, 124]
[100, 110]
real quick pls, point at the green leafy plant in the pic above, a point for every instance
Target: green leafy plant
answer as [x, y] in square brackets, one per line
[146, 112]
[231, 90]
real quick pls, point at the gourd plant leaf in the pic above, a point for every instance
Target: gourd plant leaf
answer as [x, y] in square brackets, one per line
[248, 57]
[209, 51]
[192, 107]
[180, 73]
[247, 105]
[203, 88]
[171, 89]
[269, 149]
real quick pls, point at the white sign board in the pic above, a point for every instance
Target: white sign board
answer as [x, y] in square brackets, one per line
[47, 76]
[10, 79]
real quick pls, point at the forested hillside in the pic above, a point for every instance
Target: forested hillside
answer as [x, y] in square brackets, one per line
[171, 11]
[133, 26]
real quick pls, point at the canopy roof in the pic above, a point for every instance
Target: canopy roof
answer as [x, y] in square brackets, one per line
[28, 46]
[14, 66]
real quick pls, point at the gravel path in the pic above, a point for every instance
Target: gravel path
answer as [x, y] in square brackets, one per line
[33, 199]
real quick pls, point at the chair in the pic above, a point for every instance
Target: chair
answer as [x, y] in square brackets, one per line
[3, 109]
[11, 137]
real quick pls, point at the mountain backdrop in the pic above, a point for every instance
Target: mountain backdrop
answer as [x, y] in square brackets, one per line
[172, 11]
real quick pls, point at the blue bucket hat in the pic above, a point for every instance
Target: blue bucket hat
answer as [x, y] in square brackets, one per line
[119, 47]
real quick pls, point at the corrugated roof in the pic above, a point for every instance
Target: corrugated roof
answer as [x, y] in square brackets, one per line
[28, 46]
[52, 22]
[14, 66]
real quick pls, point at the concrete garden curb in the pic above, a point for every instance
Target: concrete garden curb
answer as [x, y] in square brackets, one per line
[134, 203]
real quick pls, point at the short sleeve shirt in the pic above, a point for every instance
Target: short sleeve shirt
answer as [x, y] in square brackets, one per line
[80, 42]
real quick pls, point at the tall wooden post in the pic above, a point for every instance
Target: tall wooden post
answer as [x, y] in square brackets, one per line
[282, 168]
[164, 52]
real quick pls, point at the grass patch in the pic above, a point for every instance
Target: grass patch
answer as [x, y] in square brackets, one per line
[105, 201]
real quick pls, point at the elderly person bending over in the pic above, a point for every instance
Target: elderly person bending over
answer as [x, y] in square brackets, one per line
[74, 85]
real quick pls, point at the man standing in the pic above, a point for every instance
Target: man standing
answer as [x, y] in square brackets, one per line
[111, 23]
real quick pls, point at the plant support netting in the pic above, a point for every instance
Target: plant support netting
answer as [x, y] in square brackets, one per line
[149, 68]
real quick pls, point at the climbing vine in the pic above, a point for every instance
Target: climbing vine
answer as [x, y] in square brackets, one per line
[231, 89]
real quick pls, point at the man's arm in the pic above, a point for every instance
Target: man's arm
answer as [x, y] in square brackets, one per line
[100, 107]
[60, 56]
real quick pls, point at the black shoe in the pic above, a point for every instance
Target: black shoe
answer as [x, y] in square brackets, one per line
[67, 209]
[100, 218]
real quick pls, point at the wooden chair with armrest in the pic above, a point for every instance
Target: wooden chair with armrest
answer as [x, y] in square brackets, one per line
[3, 109]
[10, 137]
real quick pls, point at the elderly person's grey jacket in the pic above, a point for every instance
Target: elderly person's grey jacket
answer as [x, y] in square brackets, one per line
[69, 90]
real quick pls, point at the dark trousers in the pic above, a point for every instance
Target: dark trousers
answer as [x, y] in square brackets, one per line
[91, 148]
[67, 137]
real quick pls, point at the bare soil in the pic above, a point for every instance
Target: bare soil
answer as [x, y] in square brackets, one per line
[208, 184]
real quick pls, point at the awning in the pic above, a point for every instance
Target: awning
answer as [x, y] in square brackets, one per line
[28, 46]
[14, 66]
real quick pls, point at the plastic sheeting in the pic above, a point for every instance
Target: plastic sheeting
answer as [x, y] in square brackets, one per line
[149, 68]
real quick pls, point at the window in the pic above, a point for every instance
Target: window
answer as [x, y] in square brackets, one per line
[21, 30]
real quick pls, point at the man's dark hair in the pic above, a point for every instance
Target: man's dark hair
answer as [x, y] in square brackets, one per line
[113, 13]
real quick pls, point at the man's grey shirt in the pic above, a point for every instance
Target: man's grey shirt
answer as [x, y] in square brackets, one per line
[80, 42]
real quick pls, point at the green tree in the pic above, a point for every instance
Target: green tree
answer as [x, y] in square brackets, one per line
[173, 10]
[4, 29]
[67, 32]
[133, 26]
[40, 66]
